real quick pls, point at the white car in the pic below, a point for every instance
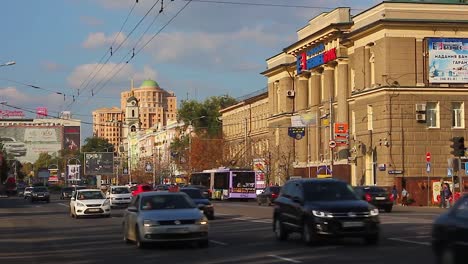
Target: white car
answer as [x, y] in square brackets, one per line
[13, 147]
[87, 202]
[27, 192]
[119, 196]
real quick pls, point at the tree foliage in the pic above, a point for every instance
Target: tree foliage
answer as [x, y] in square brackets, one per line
[97, 144]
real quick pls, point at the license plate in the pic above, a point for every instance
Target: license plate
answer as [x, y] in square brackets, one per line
[380, 198]
[94, 210]
[352, 224]
[177, 230]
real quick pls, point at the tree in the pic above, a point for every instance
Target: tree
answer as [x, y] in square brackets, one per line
[97, 144]
[206, 153]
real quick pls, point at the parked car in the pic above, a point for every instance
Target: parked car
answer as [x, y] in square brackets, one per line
[162, 217]
[13, 147]
[66, 193]
[39, 193]
[119, 196]
[268, 195]
[202, 202]
[88, 202]
[377, 196]
[141, 188]
[206, 192]
[162, 187]
[323, 208]
[27, 192]
[450, 234]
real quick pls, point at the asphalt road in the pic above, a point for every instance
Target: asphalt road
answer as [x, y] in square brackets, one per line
[241, 233]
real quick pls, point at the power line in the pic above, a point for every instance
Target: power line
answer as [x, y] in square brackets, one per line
[38, 87]
[264, 4]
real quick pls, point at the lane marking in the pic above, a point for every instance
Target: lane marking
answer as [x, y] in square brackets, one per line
[410, 241]
[62, 204]
[285, 259]
[218, 242]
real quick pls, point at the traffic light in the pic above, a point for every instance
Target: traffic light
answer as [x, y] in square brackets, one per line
[458, 146]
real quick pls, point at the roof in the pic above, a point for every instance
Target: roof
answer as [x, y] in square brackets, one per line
[149, 84]
[87, 190]
[158, 193]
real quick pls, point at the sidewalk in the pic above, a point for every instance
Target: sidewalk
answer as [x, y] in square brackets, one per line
[419, 209]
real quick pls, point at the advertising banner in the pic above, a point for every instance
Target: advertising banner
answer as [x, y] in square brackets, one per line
[73, 172]
[99, 163]
[25, 143]
[260, 168]
[448, 60]
[71, 137]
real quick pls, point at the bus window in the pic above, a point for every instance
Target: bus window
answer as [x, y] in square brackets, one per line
[244, 179]
[221, 180]
[200, 179]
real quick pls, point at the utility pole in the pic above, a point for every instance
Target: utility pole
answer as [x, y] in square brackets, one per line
[331, 125]
[245, 142]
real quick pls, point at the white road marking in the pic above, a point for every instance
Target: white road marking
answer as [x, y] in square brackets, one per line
[62, 204]
[218, 243]
[285, 259]
[410, 241]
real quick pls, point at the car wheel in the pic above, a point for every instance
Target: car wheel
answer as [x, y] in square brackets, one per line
[372, 239]
[388, 209]
[140, 244]
[204, 243]
[308, 235]
[280, 232]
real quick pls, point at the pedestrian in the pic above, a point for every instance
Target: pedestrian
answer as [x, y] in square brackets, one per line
[447, 195]
[404, 197]
[395, 194]
[442, 194]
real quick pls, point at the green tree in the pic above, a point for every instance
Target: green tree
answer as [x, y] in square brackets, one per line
[97, 144]
[44, 161]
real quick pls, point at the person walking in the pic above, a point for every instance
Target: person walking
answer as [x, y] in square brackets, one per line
[404, 197]
[395, 194]
[442, 194]
[447, 195]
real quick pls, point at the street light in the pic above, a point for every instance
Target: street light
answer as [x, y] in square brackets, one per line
[8, 63]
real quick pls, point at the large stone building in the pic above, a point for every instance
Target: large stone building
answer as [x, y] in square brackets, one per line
[371, 94]
[140, 108]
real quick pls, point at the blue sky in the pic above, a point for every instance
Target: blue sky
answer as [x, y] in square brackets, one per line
[209, 49]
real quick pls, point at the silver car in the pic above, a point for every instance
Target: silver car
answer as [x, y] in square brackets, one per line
[164, 216]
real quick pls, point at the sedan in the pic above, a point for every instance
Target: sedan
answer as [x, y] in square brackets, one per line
[202, 202]
[88, 202]
[377, 196]
[39, 193]
[450, 234]
[162, 217]
[269, 195]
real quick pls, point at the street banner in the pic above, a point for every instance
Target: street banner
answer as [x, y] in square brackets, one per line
[73, 172]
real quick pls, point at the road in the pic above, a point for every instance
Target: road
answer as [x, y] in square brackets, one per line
[241, 233]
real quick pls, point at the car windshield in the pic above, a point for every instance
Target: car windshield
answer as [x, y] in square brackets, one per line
[164, 202]
[90, 195]
[193, 193]
[40, 189]
[28, 189]
[328, 191]
[375, 190]
[80, 187]
[120, 190]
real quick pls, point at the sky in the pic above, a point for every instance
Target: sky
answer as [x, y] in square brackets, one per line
[62, 47]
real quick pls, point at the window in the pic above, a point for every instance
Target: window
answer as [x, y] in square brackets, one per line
[432, 114]
[370, 114]
[457, 115]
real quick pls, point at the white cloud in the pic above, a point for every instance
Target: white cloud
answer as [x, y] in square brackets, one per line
[91, 21]
[26, 101]
[99, 39]
[78, 78]
[52, 66]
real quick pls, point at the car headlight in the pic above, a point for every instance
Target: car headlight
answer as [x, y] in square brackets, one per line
[374, 212]
[322, 214]
[80, 204]
[202, 221]
[149, 223]
[106, 202]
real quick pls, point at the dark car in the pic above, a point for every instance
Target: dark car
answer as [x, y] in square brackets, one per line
[162, 187]
[450, 234]
[324, 208]
[269, 195]
[206, 192]
[377, 196]
[202, 202]
[66, 193]
[39, 193]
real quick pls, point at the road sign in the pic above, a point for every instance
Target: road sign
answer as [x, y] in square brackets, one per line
[428, 167]
[449, 172]
[332, 144]
[428, 157]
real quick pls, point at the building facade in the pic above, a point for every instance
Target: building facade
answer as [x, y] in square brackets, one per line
[373, 94]
[107, 123]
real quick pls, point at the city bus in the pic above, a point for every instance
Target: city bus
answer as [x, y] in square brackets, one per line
[226, 183]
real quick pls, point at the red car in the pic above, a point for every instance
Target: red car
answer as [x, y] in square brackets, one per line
[141, 188]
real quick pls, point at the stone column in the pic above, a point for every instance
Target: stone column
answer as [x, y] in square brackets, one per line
[367, 67]
[329, 84]
[342, 96]
[314, 98]
[301, 99]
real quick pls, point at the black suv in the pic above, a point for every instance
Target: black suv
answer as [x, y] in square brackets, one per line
[321, 208]
[377, 196]
[39, 193]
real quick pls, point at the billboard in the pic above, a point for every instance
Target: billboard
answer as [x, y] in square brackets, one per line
[99, 163]
[73, 172]
[71, 138]
[448, 60]
[25, 143]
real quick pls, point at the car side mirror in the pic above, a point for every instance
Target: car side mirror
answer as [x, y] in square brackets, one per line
[132, 209]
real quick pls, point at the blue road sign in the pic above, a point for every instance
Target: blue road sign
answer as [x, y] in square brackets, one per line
[449, 172]
[428, 167]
